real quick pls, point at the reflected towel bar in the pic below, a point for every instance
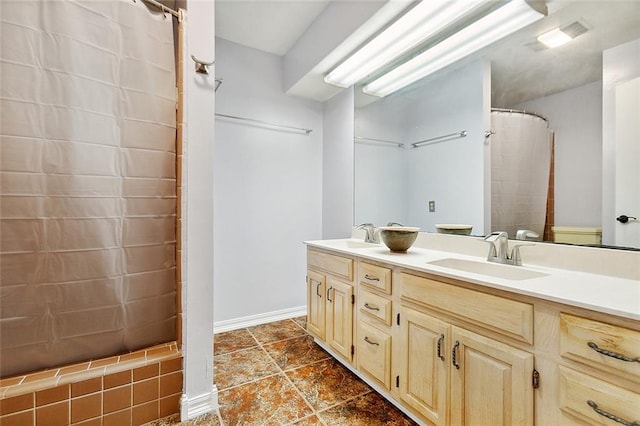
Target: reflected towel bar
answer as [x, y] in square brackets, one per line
[361, 139]
[162, 7]
[438, 139]
[265, 123]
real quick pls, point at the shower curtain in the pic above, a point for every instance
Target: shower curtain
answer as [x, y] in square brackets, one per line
[520, 167]
[87, 181]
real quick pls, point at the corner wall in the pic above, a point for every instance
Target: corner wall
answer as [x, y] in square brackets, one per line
[199, 392]
[619, 64]
[337, 166]
[575, 117]
[268, 189]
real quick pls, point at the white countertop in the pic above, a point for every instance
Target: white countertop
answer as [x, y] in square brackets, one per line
[601, 293]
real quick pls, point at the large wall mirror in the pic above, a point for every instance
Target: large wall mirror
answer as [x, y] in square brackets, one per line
[451, 148]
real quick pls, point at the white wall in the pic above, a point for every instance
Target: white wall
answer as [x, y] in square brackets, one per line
[337, 166]
[199, 393]
[619, 64]
[381, 170]
[575, 117]
[451, 173]
[268, 187]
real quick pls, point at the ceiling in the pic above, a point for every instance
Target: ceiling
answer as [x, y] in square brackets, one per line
[519, 72]
[270, 26]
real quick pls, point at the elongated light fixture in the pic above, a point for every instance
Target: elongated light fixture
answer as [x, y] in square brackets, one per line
[509, 18]
[421, 22]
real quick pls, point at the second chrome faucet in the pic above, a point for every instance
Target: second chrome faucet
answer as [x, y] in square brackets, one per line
[371, 233]
[499, 249]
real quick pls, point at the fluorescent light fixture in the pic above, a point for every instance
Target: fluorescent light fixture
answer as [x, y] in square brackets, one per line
[509, 18]
[421, 22]
[554, 38]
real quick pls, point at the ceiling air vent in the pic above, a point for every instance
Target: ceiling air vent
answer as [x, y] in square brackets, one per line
[574, 29]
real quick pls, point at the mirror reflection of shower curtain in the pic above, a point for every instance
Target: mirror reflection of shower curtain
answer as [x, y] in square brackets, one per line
[88, 181]
[520, 166]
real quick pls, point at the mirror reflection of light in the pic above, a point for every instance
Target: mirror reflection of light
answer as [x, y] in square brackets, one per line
[509, 18]
[417, 25]
[554, 38]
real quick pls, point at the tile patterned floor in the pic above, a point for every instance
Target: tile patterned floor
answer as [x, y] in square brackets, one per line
[274, 374]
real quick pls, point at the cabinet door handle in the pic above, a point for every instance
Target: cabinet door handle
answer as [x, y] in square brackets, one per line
[329, 292]
[318, 290]
[454, 359]
[371, 278]
[610, 416]
[373, 308]
[366, 339]
[615, 355]
[440, 340]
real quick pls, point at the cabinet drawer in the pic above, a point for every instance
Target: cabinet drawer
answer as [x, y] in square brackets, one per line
[377, 306]
[600, 345]
[375, 276]
[591, 399]
[374, 353]
[336, 265]
[509, 317]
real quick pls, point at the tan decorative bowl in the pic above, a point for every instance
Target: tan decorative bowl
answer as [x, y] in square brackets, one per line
[398, 238]
[454, 228]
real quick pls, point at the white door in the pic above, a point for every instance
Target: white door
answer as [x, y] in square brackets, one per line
[628, 163]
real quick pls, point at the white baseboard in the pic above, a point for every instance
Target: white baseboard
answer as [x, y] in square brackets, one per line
[191, 408]
[250, 321]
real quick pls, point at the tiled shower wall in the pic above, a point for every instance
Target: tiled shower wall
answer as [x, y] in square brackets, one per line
[130, 389]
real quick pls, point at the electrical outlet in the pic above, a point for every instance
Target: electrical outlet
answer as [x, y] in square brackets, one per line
[432, 206]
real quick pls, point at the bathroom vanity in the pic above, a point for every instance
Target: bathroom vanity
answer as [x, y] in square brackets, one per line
[451, 339]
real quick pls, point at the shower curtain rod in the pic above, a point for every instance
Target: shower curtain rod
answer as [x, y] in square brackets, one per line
[361, 139]
[438, 139]
[520, 112]
[265, 123]
[162, 7]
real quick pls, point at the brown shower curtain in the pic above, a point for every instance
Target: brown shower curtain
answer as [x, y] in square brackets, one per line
[87, 181]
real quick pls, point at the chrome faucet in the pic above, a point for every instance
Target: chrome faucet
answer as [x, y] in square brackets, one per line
[525, 234]
[371, 236]
[394, 224]
[499, 249]
[498, 246]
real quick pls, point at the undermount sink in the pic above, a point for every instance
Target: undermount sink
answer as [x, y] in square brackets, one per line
[351, 244]
[506, 272]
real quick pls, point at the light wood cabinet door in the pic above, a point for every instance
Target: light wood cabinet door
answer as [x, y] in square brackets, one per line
[490, 382]
[595, 401]
[316, 303]
[375, 306]
[339, 317]
[605, 346]
[373, 349]
[375, 276]
[424, 364]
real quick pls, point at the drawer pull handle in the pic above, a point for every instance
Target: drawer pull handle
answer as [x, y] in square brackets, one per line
[366, 339]
[373, 308]
[612, 354]
[610, 416]
[371, 278]
[329, 292]
[318, 290]
[453, 355]
[440, 340]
